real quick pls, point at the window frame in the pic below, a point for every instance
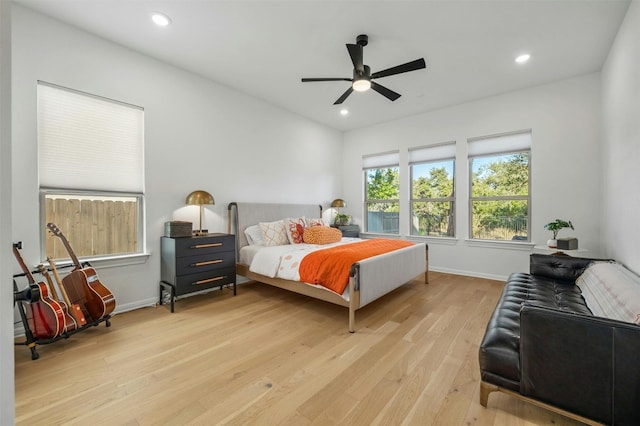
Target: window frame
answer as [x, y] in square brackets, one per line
[368, 201]
[451, 199]
[140, 234]
[127, 120]
[526, 198]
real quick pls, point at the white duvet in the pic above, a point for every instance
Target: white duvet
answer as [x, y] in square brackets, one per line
[284, 261]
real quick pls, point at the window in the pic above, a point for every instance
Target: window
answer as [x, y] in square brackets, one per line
[91, 173]
[500, 201]
[382, 193]
[433, 190]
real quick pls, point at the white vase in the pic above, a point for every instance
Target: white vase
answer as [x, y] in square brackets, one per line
[552, 243]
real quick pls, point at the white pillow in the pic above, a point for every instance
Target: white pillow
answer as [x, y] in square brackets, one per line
[254, 235]
[273, 233]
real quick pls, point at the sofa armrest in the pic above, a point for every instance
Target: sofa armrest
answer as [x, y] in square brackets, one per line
[583, 364]
[558, 267]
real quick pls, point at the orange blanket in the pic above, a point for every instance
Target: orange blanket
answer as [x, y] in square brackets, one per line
[330, 267]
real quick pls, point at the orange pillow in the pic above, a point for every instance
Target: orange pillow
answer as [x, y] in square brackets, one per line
[321, 235]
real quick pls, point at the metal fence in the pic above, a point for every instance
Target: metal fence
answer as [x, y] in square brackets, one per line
[500, 227]
[383, 222]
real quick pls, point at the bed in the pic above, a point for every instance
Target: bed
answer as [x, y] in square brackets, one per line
[369, 279]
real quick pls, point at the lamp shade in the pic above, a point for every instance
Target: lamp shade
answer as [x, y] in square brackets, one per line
[338, 202]
[199, 198]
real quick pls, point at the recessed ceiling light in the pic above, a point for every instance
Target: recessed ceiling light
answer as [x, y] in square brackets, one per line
[523, 58]
[160, 19]
[344, 111]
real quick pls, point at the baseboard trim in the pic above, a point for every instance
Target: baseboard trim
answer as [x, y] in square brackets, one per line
[468, 273]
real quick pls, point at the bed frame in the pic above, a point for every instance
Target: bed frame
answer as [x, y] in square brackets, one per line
[369, 279]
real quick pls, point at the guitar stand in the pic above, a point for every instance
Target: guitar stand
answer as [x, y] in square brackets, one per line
[33, 294]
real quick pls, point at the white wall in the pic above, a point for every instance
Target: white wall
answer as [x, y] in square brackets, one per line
[198, 135]
[621, 143]
[565, 176]
[7, 396]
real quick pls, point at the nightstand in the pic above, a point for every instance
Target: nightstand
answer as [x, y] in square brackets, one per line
[192, 264]
[348, 230]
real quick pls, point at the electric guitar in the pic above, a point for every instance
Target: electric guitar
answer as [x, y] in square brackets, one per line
[83, 285]
[45, 317]
[70, 323]
[74, 308]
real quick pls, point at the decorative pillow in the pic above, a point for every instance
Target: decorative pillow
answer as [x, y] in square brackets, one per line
[322, 235]
[254, 235]
[273, 233]
[316, 222]
[611, 291]
[295, 229]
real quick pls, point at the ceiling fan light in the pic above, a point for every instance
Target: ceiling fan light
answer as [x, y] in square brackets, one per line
[361, 85]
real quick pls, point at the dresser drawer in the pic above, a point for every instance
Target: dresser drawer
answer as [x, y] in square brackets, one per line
[205, 262]
[196, 246]
[201, 281]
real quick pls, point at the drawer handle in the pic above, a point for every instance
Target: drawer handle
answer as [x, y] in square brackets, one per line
[208, 262]
[210, 280]
[199, 246]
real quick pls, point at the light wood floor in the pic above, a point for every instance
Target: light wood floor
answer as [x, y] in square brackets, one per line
[268, 356]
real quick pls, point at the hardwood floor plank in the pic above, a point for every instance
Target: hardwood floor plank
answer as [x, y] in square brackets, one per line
[268, 356]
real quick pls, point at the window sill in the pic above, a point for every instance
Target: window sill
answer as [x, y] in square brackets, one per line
[447, 241]
[110, 261]
[366, 235]
[511, 245]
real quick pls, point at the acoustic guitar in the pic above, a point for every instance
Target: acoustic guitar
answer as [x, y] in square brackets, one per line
[70, 323]
[45, 317]
[74, 308]
[83, 286]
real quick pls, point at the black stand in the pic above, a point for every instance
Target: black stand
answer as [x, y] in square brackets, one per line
[32, 294]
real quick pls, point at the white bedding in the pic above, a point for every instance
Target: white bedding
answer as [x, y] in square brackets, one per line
[283, 261]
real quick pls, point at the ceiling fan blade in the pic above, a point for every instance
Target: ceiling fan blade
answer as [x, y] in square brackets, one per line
[304, 80]
[388, 93]
[355, 52]
[344, 96]
[409, 66]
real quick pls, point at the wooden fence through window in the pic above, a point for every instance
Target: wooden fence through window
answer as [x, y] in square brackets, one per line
[92, 227]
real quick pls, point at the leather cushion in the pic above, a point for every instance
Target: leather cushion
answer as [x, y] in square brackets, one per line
[500, 348]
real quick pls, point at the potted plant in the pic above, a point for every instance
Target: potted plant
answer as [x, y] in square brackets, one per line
[342, 219]
[555, 227]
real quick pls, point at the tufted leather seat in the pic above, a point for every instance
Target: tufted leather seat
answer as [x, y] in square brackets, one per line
[500, 349]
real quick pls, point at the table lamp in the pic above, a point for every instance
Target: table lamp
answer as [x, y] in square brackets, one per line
[200, 198]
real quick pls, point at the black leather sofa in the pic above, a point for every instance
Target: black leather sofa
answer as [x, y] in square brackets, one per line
[544, 345]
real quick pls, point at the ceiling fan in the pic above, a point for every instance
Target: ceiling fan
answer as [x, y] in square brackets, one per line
[363, 79]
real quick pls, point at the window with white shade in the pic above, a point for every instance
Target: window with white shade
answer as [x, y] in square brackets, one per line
[91, 172]
[500, 202]
[382, 192]
[432, 171]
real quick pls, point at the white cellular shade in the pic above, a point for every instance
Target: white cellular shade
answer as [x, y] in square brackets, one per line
[510, 142]
[89, 143]
[378, 161]
[445, 151]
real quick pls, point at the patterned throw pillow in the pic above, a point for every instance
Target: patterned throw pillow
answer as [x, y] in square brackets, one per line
[295, 229]
[273, 233]
[322, 235]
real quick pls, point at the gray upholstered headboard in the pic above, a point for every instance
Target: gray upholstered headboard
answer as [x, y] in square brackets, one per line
[242, 215]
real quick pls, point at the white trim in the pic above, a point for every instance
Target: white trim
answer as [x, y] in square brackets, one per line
[501, 244]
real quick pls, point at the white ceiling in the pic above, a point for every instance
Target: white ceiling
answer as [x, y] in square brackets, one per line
[264, 47]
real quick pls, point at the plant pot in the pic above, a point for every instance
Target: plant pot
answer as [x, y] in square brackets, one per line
[552, 243]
